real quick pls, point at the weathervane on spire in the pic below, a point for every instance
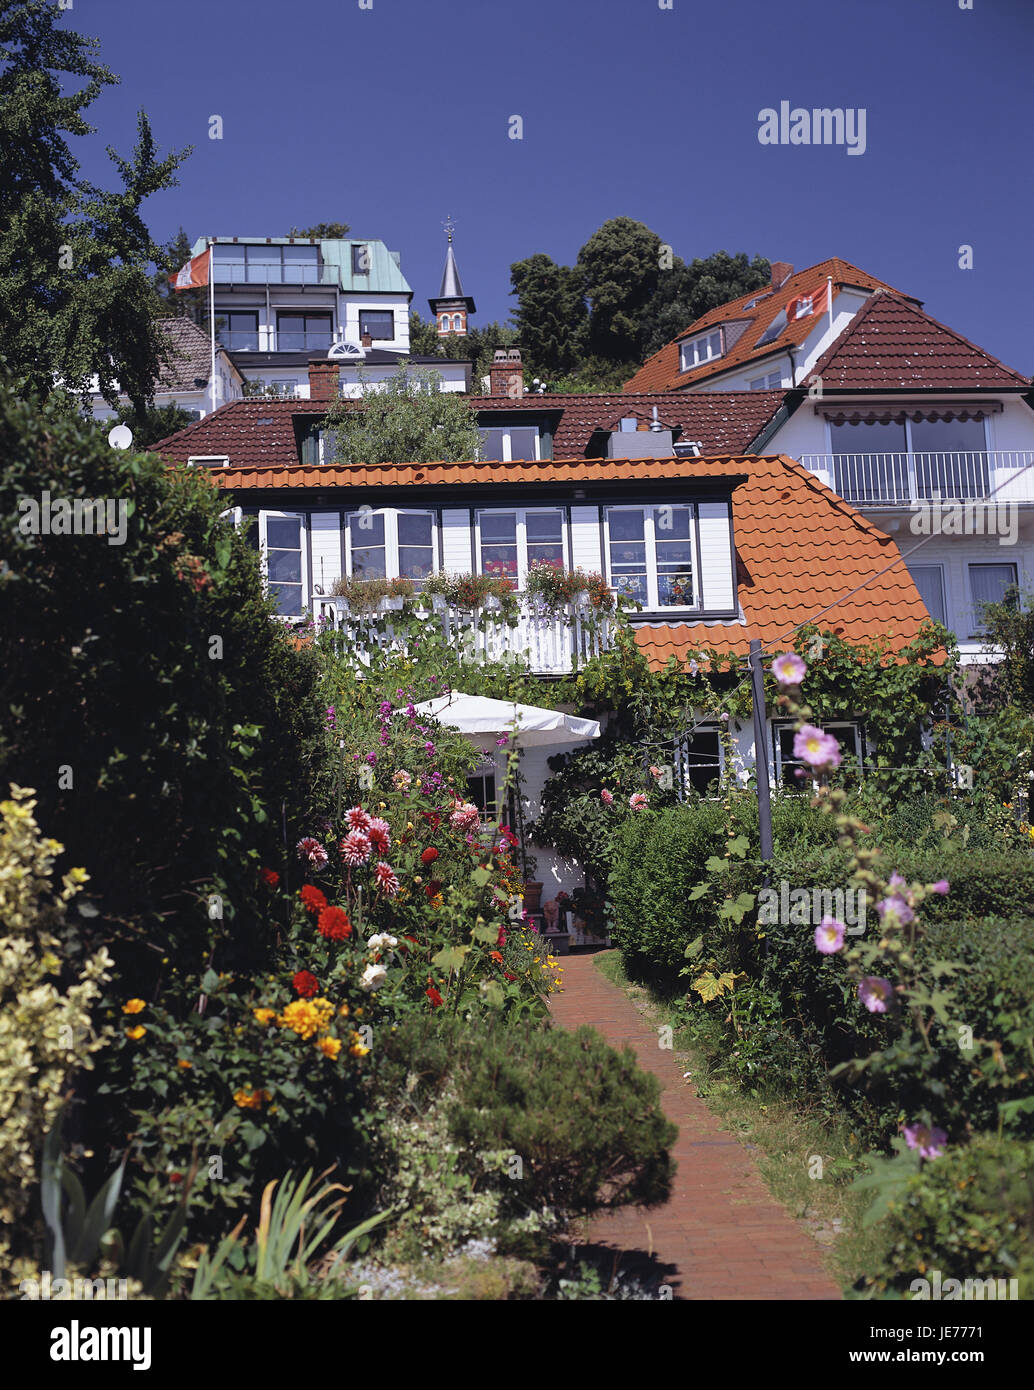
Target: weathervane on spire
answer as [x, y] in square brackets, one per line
[449, 226]
[452, 306]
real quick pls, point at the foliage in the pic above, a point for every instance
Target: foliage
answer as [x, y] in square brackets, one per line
[406, 419]
[179, 723]
[621, 264]
[551, 317]
[322, 231]
[687, 292]
[583, 1120]
[46, 1035]
[190, 304]
[151, 425]
[470, 591]
[75, 297]
[364, 595]
[967, 1216]
[477, 346]
[1010, 630]
[555, 588]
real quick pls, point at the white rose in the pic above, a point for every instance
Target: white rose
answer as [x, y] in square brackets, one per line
[374, 976]
[382, 940]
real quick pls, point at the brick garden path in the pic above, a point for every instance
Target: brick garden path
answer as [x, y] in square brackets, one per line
[721, 1235]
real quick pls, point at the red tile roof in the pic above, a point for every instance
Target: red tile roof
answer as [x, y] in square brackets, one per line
[661, 371]
[891, 344]
[799, 547]
[260, 430]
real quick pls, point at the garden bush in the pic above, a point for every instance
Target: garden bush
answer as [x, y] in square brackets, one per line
[582, 1121]
[967, 1215]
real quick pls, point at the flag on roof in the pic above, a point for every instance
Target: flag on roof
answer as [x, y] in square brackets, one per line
[193, 274]
[803, 305]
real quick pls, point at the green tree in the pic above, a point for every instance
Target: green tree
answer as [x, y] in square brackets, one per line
[75, 295]
[550, 318]
[149, 426]
[1010, 629]
[684, 292]
[323, 231]
[477, 347]
[621, 263]
[407, 419]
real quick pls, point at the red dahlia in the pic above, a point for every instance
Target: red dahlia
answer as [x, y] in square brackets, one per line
[429, 855]
[305, 984]
[436, 999]
[313, 900]
[269, 877]
[334, 924]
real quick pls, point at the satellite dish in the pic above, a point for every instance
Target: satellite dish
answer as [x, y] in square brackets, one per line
[120, 437]
[352, 352]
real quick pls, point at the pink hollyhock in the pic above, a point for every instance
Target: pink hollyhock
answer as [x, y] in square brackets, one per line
[386, 879]
[606, 797]
[639, 801]
[930, 1141]
[941, 886]
[380, 834]
[816, 748]
[311, 849]
[895, 906]
[829, 936]
[355, 847]
[789, 669]
[875, 993]
[357, 819]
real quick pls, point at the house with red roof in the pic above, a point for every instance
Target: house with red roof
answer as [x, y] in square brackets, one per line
[926, 434]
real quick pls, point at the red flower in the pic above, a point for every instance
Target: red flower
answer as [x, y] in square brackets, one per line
[269, 877]
[501, 938]
[175, 1177]
[432, 818]
[496, 956]
[387, 880]
[433, 888]
[313, 900]
[429, 855]
[508, 976]
[305, 983]
[436, 999]
[334, 924]
[409, 938]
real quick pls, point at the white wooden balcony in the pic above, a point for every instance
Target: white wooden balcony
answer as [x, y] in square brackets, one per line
[553, 644]
[904, 479]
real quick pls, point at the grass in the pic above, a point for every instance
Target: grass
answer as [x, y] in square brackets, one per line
[793, 1140]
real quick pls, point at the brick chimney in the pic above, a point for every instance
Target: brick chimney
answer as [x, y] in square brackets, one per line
[781, 272]
[324, 379]
[506, 374]
[366, 340]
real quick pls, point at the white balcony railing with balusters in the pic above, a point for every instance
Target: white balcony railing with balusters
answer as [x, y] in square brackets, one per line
[903, 479]
[552, 643]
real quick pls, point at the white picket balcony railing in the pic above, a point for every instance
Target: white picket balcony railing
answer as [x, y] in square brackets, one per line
[903, 479]
[551, 643]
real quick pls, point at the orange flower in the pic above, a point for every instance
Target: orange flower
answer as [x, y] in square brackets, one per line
[250, 1100]
[133, 1006]
[496, 956]
[184, 1065]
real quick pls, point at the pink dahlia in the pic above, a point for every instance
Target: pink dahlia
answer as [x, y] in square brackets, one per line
[875, 993]
[355, 847]
[386, 879]
[380, 834]
[311, 849]
[929, 1140]
[639, 801]
[829, 936]
[465, 816]
[816, 748]
[357, 819]
[606, 797]
[789, 669]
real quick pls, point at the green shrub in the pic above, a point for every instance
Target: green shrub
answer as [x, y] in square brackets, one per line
[555, 1124]
[967, 1215]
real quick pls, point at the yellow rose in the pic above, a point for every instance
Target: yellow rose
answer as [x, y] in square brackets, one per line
[133, 1006]
[135, 1034]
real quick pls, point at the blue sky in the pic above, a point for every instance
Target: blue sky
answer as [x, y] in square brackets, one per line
[395, 117]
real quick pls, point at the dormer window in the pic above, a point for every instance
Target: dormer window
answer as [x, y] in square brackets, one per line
[650, 554]
[696, 351]
[360, 258]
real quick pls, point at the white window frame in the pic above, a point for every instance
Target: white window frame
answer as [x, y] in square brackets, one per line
[306, 596]
[508, 445]
[209, 460]
[649, 534]
[944, 587]
[692, 348]
[391, 536]
[834, 727]
[978, 629]
[772, 382]
[522, 514]
[682, 759]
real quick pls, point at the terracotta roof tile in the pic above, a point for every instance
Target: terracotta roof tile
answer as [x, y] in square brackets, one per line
[891, 344]
[190, 358]
[799, 546]
[661, 371]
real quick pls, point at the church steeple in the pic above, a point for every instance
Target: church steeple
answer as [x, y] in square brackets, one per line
[452, 306]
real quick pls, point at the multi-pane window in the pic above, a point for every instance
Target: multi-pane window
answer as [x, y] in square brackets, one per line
[699, 350]
[508, 442]
[990, 584]
[390, 544]
[267, 265]
[651, 554]
[282, 537]
[237, 330]
[302, 332]
[766, 383]
[482, 793]
[510, 542]
[378, 323]
[699, 761]
[360, 258]
[787, 766]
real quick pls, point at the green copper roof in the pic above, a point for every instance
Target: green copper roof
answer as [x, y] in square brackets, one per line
[383, 277]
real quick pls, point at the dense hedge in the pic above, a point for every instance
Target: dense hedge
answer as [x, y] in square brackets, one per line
[166, 723]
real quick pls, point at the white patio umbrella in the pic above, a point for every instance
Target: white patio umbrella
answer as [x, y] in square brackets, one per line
[482, 719]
